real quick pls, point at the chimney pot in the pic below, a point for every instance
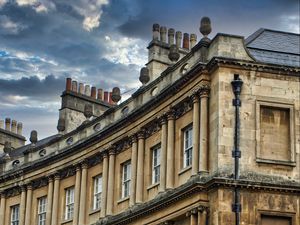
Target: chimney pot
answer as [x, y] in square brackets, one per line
[74, 86]
[106, 96]
[81, 88]
[186, 41]
[193, 40]
[68, 84]
[163, 33]
[178, 37]
[87, 90]
[171, 33]
[155, 30]
[14, 126]
[100, 94]
[19, 128]
[93, 92]
[110, 101]
[7, 124]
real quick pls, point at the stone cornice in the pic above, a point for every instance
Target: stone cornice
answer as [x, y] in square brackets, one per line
[196, 184]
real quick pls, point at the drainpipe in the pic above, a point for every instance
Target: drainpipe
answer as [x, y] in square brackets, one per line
[236, 84]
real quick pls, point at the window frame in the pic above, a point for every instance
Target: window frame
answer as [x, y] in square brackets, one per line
[96, 193]
[126, 181]
[187, 150]
[274, 103]
[69, 202]
[15, 218]
[41, 215]
[155, 168]
[262, 213]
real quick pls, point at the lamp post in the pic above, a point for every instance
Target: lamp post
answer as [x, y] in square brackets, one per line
[236, 84]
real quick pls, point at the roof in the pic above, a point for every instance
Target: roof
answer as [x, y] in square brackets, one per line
[276, 47]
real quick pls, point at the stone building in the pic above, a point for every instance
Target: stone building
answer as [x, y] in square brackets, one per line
[212, 136]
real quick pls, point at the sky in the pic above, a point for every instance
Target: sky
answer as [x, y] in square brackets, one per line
[103, 43]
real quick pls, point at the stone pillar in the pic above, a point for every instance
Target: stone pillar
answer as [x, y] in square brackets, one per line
[2, 208]
[134, 153]
[204, 93]
[170, 150]
[28, 205]
[111, 179]
[196, 127]
[22, 205]
[77, 195]
[163, 155]
[49, 201]
[55, 200]
[104, 185]
[82, 204]
[140, 168]
[202, 215]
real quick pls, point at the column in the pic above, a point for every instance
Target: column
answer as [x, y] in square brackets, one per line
[49, 200]
[134, 154]
[28, 205]
[170, 150]
[140, 168]
[55, 200]
[104, 185]
[2, 208]
[77, 195]
[82, 207]
[22, 204]
[196, 125]
[204, 93]
[202, 215]
[111, 179]
[163, 155]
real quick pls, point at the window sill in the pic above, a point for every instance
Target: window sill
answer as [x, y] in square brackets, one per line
[66, 221]
[152, 186]
[93, 211]
[277, 162]
[123, 200]
[183, 170]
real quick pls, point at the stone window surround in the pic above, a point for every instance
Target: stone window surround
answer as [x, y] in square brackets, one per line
[261, 213]
[278, 103]
[185, 150]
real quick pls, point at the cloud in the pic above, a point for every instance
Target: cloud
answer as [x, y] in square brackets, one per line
[9, 27]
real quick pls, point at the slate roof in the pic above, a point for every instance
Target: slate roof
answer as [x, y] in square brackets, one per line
[276, 47]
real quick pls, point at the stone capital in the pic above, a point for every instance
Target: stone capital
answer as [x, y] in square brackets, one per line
[204, 90]
[133, 138]
[141, 134]
[171, 114]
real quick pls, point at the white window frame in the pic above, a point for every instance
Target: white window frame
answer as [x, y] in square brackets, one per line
[14, 215]
[97, 192]
[187, 146]
[156, 150]
[126, 179]
[69, 208]
[42, 207]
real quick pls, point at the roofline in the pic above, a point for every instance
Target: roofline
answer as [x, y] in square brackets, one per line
[253, 36]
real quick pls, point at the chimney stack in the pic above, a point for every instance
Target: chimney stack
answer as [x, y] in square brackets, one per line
[186, 41]
[106, 96]
[74, 86]
[7, 124]
[19, 128]
[14, 126]
[178, 37]
[1, 124]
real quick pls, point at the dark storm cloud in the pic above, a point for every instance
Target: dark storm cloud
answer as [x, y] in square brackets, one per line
[228, 16]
